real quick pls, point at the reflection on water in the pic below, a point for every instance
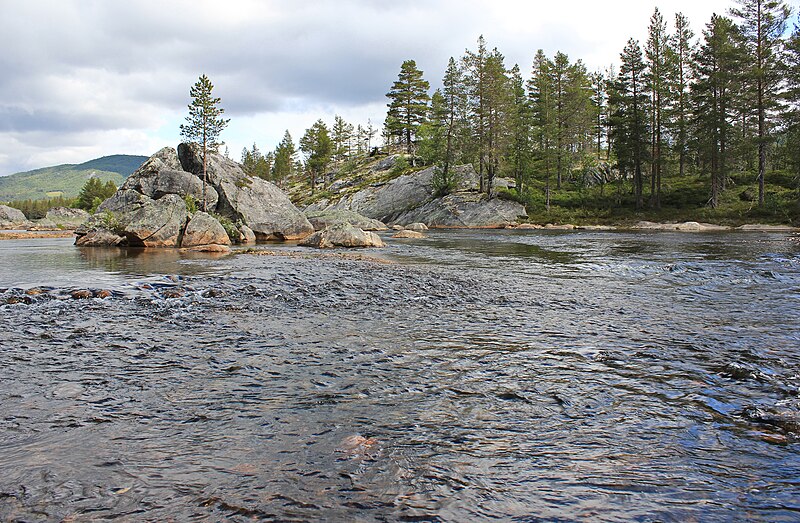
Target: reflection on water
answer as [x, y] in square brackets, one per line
[483, 375]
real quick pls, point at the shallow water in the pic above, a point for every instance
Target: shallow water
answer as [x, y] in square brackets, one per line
[481, 375]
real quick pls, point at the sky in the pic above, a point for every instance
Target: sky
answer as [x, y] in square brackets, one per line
[80, 79]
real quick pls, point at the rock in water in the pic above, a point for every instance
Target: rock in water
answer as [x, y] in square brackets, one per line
[409, 234]
[99, 238]
[204, 229]
[157, 223]
[417, 226]
[322, 219]
[342, 235]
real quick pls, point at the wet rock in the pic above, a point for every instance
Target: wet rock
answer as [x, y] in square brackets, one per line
[100, 238]
[83, 294]
[211, 249]
[173, 293]
[14, 300]
[204, 229]
[103, 294]
[530, 226]
[213, 293]
[760, 227]
[35, 291]
[323, 219]
[397, 227]
[417, 226]
[559, 227]
[409, 234]
[342, 235]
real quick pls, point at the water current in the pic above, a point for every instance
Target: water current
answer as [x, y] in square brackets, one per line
[470, 376]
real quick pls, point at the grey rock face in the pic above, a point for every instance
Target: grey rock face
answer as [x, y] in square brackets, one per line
[342, 235]
[157, 223]
[472, 210]
[10, 215]
[67, 216]
[100, 238]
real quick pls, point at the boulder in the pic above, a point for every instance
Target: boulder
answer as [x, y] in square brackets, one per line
[471, 210]
[143, 178]
[100, 238]
[342, 235]
[246, 235]
[256, 202]
[11, 217]
[184, 184]
[156, 223]
[409, 234]
[760, 227]
[323, 219]
[204, 229]
[417, 226]
[66, 217]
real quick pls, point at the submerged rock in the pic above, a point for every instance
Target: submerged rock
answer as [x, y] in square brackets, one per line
[342, 235]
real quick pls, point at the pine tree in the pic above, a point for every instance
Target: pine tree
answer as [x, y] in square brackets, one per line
[284, 164]
[630, 120]
[204, 123]
[762, 23]
[684, 50]
[317, 147]
[519, 129]
[717, 65]
[409, 104]
[474, 65]
[660, 62]
[791, 113]
[541, 99]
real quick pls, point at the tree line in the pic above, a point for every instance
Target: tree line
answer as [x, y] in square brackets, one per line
[678, 105]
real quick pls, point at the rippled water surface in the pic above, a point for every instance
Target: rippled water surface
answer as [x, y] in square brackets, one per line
[471, 376]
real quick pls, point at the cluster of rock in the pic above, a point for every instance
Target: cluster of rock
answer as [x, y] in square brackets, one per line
[411, 198]
[156, 206]
[56, 218]
[11, 218]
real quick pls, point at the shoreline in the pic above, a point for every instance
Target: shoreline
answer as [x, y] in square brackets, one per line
[34, 235]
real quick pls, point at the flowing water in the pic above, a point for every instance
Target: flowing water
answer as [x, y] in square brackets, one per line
[471, 376]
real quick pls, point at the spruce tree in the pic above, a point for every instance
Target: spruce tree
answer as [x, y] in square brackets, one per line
[762, 23]
[284, 164]
[204, 123]
[684, 50]
[409, 104]
[317, 147]
[660, 62]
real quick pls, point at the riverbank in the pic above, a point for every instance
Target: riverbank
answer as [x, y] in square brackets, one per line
[32, 235]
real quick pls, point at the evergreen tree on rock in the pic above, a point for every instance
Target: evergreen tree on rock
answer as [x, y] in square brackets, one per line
[409, 104]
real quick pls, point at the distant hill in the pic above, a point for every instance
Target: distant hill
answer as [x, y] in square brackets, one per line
[66, 180]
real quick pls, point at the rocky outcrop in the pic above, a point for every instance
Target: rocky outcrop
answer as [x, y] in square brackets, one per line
[204, 229]
[471, 210]
[323, 219]
[161, 205]
[683, 226]
[66, 217]
[11, 218]
[411, 198]
[257, 203]
[342, 235]
[100, 238]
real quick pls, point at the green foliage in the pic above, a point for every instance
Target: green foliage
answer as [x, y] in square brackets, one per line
[285, 152]
[204, 123]
[191, 204]
[444, 182]
[401, 166]
[317, 147]
[230, 228]
[111, 221]
[95, 192]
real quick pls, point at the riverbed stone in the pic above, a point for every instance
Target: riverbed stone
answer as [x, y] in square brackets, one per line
[409, 234]
[342, 235]
[204, 229]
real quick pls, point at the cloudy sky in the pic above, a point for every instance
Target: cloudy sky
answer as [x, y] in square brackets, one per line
[81, 79]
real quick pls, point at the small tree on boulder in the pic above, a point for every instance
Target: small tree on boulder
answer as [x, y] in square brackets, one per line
[204, 124]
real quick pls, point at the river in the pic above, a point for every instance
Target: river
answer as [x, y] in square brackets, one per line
[470, 376]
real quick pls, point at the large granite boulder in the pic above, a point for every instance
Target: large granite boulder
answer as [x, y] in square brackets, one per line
[100, 237]
[257, 203]
[156, 223]
[323, 219]
[11, 218]
[342, 235]
[143, 179]
[204, 229]
[469, 210]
